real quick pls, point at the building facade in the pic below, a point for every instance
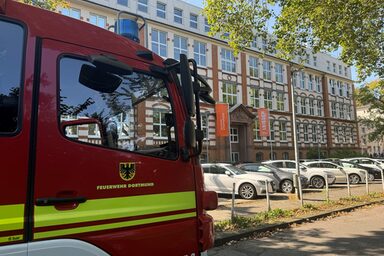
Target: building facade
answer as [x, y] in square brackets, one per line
[326, 113]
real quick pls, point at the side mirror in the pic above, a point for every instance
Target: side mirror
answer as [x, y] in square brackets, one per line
[186, 84]
[98, 80]
[228, 173]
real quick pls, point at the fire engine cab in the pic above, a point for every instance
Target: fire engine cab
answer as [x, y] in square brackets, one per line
[99, 141]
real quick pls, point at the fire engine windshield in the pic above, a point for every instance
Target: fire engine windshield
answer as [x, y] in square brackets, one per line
[136, 116]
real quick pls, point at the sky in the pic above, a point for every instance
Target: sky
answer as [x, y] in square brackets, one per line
[199, 3]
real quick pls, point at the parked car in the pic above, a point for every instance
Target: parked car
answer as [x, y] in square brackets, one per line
[373, 172]
[220, 177]
[314, 176]
[284, 179]
[355, 175]
[366, 161]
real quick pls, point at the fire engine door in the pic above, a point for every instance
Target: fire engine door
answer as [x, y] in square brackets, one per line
[107, 163]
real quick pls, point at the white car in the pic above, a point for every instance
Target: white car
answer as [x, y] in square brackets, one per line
[315, 176]
[220, 177]
[366, 161]
[355, 175]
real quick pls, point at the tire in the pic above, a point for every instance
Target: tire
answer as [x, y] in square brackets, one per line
[286, 186]
[317, 182]
[371, 177]
[247, 191]
[354, 178]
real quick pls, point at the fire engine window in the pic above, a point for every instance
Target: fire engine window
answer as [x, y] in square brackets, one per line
[137, 116]
[11, 55]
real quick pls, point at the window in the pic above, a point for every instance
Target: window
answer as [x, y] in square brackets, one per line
[199, 52]
[340, 70]
[334, 67]
[178, 15]
[193, 20]
[264, 44]
[271, 131]
[286, 156]
[346, 71]
[98, 20]
[341, 134]
[311, 107]
[254, 43]
[318, 85]
[228, 62]
[314, 133]
[268, 99]
[117, 123]
[314, 61]
[302, 80]
[123, 2]
[294, 79]
[11, 57]
[254, 97]
[230, 93]
[280, 101]
[303, 106]
[266, 69]
[142, 5]
[259, 156]
[332, 84]
[159, 42]
[72, 12]
[336, 133]
[180, 46]
[235, 157]
[283, 130]
[319, 108]
[279, 72]
[310, 82]
[160, 11]
[340, 88]
[207, 28]
[234, 135]
[321, 133]
[253, 66]
[341, 111]
[257, 130]
[205, 125]
[305, 130]
[328, 66]
[333, 108]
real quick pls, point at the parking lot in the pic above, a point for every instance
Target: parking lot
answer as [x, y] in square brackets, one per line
[288, 201]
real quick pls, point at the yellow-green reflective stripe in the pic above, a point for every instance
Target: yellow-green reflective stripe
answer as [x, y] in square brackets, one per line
[6, 239]
[63, 232]
[111, 208]
[11, 217]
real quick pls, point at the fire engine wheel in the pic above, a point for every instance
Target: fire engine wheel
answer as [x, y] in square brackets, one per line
[247, 191]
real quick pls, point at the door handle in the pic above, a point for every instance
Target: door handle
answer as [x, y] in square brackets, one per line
[48, 201]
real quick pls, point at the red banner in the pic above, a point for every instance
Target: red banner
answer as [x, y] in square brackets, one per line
[222, 122]
[263, 115]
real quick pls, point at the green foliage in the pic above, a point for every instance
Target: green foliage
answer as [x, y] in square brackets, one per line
[357, 26]
[372, 95]
[345, 153]
[313, 153]
[51, 5]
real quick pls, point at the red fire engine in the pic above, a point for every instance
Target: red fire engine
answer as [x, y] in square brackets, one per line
[98, 143]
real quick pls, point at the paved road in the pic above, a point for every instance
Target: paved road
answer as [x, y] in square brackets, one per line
[357, 233]
[287, 201]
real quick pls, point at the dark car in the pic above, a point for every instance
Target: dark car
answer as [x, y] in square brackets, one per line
[372, 172]
[282, 178]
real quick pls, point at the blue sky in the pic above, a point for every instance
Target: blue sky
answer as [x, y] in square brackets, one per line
[199, 3]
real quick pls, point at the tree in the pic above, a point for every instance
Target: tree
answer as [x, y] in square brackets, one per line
[357, 26]
[372, 95]
[51, 5]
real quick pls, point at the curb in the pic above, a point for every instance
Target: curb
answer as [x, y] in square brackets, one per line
[225, 237]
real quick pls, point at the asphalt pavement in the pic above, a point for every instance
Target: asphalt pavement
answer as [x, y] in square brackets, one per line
[355, 233]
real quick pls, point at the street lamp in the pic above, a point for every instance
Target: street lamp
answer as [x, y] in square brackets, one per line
[299, 191]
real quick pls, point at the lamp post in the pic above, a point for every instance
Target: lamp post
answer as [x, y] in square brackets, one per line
[299, 191]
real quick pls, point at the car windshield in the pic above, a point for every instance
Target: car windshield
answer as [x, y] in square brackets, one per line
[235, 170]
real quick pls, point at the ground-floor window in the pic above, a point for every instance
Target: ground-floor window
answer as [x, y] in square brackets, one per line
[235, 157]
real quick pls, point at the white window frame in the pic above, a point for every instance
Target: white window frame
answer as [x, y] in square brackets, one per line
[310, 82]
[178, 49]
[142, 6]
[207, 27]
[161, 13]
[268, 102]
[279, 73]
[234, 133]
[228, 61]
[311, 107]
[253, 66]
[267, 73]
[306, 132]
[97, 19]
[318, 84]
[280, 104]
[157, 45]
[200, 53]
[256, 131]
[161, 123]
[302, 80]
[229, 93]
[178, 15]
[272, 135]
[254, 97]
[71, 12]
[283, 130]
[193, 20]
[303, 106]
[319, 108]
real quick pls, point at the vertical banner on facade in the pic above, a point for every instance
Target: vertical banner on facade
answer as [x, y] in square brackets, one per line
[263, 115]
[222, 122]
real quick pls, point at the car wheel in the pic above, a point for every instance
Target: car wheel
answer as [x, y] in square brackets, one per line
[317, 182]
[371, 177]
[247, 191]
[287, 186]
[354, 178]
